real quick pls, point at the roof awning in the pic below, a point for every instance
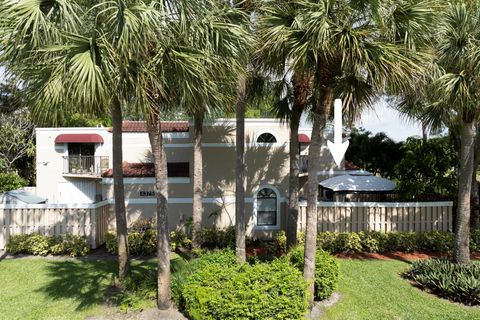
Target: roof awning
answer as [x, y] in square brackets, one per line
[79, 138]
[303, 138]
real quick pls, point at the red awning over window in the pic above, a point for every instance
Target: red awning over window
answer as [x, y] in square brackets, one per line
[79, 138]
[303, 138]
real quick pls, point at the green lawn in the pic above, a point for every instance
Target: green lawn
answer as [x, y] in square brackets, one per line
[373, 289]
[53, 289]
[74, 289]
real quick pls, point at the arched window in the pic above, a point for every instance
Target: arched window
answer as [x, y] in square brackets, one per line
[266, 138]
[266, 208]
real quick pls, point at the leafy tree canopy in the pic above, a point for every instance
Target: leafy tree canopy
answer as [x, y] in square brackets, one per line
[377, 153]
[427, 168]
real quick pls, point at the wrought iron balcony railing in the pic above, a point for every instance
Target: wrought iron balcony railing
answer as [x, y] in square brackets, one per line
[85, 165]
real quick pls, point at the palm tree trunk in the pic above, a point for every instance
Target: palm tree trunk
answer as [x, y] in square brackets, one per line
[475, 199]
[301, 90]
[197, 182]
[465, 173]
[161, 191]
[320, 116]
[118, 190]
[240, 171]
[424, 132]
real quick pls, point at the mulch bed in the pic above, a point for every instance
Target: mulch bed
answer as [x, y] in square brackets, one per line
[404, 256]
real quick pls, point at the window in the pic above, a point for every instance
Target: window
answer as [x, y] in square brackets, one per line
[266, 207]
[266, 138]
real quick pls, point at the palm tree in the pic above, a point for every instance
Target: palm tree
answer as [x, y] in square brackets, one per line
[275, 20]
[72, 54]
[355, 51]
[245, 22]
[457, 90]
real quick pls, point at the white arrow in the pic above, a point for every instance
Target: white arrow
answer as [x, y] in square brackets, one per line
[338, 148]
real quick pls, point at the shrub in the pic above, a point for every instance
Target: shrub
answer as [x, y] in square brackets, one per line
[475, 240]
[218, 238]
[400, 241]
[435, 241]
[460, 283]
[326, 270]
[139, 242]
[281, 241]
[371, 241]
[273, 290]
[326, 241]
[348, 242]
[11, 181]
[181, 269]
[37, 244]
[179, 239]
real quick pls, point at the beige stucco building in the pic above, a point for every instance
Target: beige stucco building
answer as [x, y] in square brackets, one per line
[73, 167]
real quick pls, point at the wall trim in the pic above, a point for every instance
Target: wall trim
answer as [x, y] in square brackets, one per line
[147, 180]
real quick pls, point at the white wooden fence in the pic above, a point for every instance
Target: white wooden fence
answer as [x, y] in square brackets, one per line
[381, 216]
[90, 220]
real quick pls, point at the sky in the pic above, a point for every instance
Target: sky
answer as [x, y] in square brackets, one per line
[381, 118]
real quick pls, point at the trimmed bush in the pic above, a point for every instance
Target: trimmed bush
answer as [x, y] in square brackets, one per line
[435, 241]
[273, 290]
[326, 270]
[38, 244]
[181, 269]
[460, 283]
[374, 241]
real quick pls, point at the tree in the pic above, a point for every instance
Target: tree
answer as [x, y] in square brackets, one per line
[456, 91]
[427, 168]
[72, 55]
[377, 153]
[293, 97]
[17, 132]
[354, 50]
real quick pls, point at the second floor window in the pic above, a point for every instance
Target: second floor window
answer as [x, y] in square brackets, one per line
[266, 138]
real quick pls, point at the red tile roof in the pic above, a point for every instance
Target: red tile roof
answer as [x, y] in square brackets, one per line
[167, 126]
[140, 170]
[350, 166]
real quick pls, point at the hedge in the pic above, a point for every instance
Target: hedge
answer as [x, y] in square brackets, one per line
[273, 290]
[374, 241]
[38, 244]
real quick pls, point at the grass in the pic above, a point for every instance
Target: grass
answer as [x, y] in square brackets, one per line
[374, 289]
[53, 289]
[75, 289]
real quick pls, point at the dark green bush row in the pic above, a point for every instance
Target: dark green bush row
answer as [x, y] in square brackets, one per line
[433, 241]
[139, 242]
[38, 244]
[218, 238]
[326, 270]
[460, 283]
[273, 290]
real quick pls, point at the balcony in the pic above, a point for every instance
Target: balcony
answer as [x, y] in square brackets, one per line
[84, 166]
